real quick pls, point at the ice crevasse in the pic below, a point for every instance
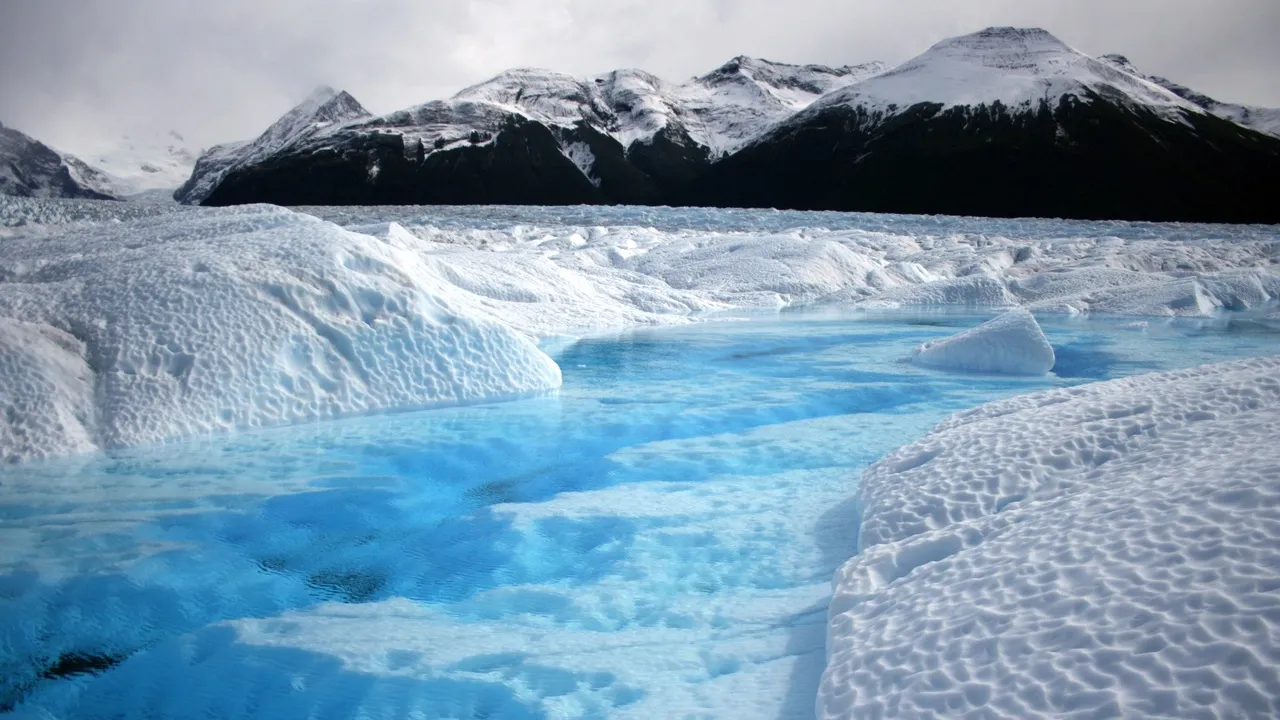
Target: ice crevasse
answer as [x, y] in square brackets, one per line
[161, 328]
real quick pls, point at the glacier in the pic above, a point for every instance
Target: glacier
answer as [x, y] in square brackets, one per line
[649, 521]
[154, 329]
[198, 320]
[1106, 550]
[1009, 343]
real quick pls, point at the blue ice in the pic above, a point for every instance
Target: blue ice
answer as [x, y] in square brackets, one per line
[654, 540]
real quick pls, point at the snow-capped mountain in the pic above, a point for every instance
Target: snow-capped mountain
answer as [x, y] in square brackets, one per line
[718, 111]
[1264, 120]
[629, 135]
[29, 168]
[1006, 122]
[738, 100]
[323, 111]
[1019, 68]
[141, 162]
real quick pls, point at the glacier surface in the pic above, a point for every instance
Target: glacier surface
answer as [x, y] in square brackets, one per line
[201, 320]
[1105, 550]
[196, 320]
[116, 334]
[1095, 549]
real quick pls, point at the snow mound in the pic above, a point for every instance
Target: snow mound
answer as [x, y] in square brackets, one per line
[1011, 344]
[194, 323]
[1104, 550]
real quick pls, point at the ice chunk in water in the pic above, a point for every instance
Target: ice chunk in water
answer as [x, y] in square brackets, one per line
[1011, 344]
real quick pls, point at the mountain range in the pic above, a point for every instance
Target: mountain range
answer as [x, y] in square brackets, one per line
[1002, 122]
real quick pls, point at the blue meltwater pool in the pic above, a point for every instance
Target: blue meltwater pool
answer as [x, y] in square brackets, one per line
[655, 540]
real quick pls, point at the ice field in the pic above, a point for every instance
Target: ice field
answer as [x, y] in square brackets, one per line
[605, 462]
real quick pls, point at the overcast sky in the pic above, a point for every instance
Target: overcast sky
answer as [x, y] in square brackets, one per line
[77, 72]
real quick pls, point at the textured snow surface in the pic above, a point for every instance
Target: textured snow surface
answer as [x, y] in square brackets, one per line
[189, 323]
[1110, 549]
[1011, 343]
[1014, 66]
[46, 394]
[197, 320]
[605, 268]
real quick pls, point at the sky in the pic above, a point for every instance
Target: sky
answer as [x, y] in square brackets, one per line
[79, 74]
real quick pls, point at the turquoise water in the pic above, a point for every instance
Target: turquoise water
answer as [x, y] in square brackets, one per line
[654, 540]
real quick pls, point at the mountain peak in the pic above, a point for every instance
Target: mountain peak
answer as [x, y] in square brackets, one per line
[1006, 47]
[320, 95]
[1016, 67]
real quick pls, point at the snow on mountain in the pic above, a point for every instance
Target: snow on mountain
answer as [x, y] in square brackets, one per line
[718, 111]
[754, 133]
[143, 161]
[680, 127]
[322, 112]
[1017, 67]
[29, 168]
[1005, 122]
[1264, 120]
[743, 97]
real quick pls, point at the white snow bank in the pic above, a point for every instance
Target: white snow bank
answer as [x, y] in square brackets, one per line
[1105, 550]
[632, 274]
[198, 322]
[1011, 344]
[46, 396]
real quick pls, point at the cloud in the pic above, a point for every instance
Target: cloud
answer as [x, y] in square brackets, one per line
[78, 72]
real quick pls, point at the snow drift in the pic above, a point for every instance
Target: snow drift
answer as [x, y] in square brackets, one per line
[187, 324]
[1104, 550]
[1012, 343]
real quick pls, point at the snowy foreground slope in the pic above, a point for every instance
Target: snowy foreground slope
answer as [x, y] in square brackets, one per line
[124, 324]
[120, 334]
[1106, 550]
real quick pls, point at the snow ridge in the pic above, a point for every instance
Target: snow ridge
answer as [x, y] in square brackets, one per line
[29, 168]
[1017, 67]
[322, 112]
[1264, 120]
[718, 111]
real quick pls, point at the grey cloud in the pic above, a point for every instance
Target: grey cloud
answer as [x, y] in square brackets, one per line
[74, 71]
